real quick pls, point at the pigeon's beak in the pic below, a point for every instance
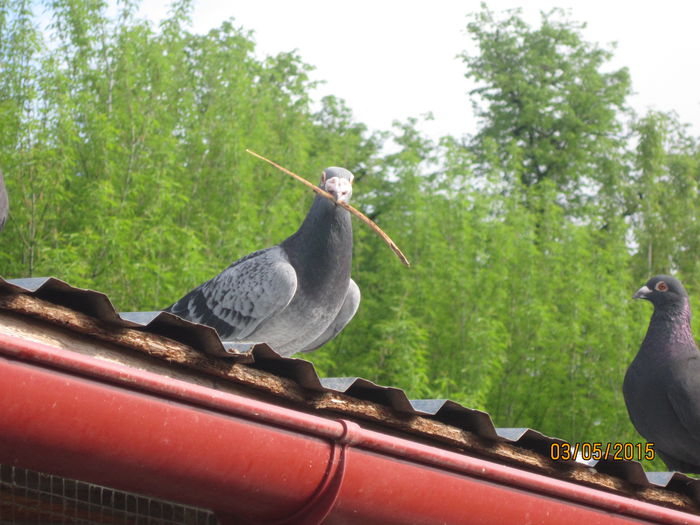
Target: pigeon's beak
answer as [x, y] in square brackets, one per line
[340, 188]
[642, 293]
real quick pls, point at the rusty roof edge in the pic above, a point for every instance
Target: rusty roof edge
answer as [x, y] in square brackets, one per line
[98, 305]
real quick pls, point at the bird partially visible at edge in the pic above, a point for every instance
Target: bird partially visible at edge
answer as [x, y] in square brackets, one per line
[662, 384]
[294, 296]
[4, 202]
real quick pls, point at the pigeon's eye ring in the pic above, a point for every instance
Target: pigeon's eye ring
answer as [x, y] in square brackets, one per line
[661, 286]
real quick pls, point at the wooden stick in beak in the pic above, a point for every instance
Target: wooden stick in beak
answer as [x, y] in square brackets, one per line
[345, 205]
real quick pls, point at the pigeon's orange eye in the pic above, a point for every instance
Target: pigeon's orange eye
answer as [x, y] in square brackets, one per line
[661, 286]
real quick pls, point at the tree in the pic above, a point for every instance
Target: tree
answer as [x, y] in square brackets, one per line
[665, 225]
[547, 103]
[124, 148]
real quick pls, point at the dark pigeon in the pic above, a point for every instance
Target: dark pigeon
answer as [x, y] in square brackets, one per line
[295, 296]
[662, 385]
[4, 203]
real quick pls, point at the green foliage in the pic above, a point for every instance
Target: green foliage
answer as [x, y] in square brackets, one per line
[124, 153]
[548, 104]
[667, 178]
[128, 162]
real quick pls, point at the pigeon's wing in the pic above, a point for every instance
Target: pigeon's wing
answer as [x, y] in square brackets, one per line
[684, 396]
[241, 297]
[346, 313]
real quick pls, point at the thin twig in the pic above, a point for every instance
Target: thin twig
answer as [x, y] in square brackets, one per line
[345, 205]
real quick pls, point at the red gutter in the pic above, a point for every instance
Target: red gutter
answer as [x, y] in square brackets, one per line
[76, 416]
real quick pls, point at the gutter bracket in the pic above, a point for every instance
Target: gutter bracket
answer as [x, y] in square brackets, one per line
[322, 501]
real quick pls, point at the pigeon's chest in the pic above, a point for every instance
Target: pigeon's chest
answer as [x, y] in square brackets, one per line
[646, 378]
[314, 307]
[304, 319]
[308, 315]
[322, 263]
[645, 389]
[322, 282]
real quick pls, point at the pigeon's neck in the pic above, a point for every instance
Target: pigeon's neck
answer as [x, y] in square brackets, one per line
[669, 330]
[323, 244]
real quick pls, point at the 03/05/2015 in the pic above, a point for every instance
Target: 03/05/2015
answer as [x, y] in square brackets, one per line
[598, 451]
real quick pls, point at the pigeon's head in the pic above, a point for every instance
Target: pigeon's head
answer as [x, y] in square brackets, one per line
[663, 291]
[337, 182]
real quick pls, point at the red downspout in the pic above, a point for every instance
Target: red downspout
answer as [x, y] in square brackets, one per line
[250, 461]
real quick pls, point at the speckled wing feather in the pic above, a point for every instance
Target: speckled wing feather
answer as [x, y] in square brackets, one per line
[240, 298]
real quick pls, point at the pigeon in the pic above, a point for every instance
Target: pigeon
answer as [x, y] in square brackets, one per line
[662, 385]
[4, 204]
[294, 296]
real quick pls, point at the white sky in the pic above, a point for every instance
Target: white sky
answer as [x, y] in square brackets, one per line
[392, 59]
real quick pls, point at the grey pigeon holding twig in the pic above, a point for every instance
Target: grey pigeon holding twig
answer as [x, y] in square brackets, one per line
[662, 385]
[4, 203]
[294, 296]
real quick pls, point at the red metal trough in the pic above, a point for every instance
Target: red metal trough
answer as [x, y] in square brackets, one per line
[254, 462]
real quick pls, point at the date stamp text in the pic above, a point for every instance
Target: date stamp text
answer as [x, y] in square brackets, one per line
[598, 451]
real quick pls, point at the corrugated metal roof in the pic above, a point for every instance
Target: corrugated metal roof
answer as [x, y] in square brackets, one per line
[261, 357]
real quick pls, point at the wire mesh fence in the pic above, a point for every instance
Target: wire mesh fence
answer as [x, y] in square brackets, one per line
[34, 498]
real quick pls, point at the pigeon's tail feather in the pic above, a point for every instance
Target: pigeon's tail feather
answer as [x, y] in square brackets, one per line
[678, 465]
